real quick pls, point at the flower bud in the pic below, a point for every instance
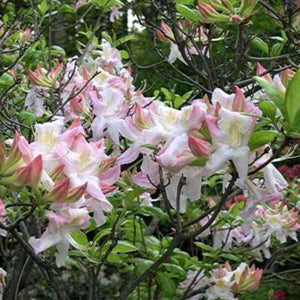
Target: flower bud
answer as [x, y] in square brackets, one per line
[76, 193]
[209, 15]
[60, 191]
[286, 76]
[26, 35]
[261, 70]
[236, 19]
[165, 33]
[30, 174]
[239, 101]
[106, 188]
[198, 147]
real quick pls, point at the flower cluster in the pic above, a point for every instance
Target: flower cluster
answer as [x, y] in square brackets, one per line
[201, 139]
[225, 283]
[66, 172]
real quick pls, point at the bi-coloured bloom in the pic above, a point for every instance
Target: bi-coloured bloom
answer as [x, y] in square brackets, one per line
[230, 129]
[59, 231]
[228, 284]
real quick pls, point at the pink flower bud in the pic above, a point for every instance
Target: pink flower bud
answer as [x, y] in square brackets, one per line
[198, 147]
[239, 101]
[261, 70]
[76, 104]
[58, 171]
[76, 193]
[60, 191]
[31, 173]
[26, 35]
[106, 164]
[106, 188]
[236, 19]
[286, 76]
[165, 33]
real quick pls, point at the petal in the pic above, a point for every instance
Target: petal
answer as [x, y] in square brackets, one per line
[46, 241]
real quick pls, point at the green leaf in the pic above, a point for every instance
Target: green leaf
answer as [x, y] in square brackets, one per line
[27, 117]
[191, 2]
[155, 212]
[204, 246]
[167, 285]
[43, 7]
[58, 51]
[277, 49]
[124, 54]
[80, 237]
[104, 232]
[122, 247]
[123, 40]
[292, 99]
[268, 108]
[260, 138]
[259, 44]
[188, 13]
[178, 101]
[6, 80]
[178, 271]
[230, 256]
[166, 93]
[141, 264]
[272, 92]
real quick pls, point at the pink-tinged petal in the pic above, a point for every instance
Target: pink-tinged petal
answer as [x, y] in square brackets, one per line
[129, 130]
[193, 116]
[175, 54]
[175, 154]
[74, 131]
[46, 241]
[111, 176]
[62, 253]
[142, 180]
[2, 209]
[278, 84]
[56, 222]
[240, 160]
[128, 156]
[224, 99]
[98, 126]
[274, 181]
[94, 190]
[217, 160]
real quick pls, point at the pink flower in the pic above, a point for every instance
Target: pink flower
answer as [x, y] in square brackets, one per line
[115, 14]
[59, 231]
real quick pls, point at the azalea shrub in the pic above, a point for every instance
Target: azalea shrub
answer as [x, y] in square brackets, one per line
[113, 189]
